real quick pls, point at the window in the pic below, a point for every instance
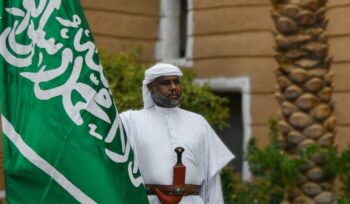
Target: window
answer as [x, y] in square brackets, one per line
[237, 137]
[175, 40]
[183, 28]
[233, 136]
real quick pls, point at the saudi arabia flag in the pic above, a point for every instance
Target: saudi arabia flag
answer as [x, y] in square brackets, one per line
[63, 139]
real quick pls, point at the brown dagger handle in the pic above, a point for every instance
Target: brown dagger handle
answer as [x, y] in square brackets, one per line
[179, 151]
[179, 169]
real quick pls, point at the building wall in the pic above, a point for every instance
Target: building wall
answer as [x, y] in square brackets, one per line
[234, 39]
[124, 25]
[339, 31]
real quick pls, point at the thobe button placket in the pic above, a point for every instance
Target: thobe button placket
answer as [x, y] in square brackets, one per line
[171, 129]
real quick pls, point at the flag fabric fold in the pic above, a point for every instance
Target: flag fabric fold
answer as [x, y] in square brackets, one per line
[63, 139]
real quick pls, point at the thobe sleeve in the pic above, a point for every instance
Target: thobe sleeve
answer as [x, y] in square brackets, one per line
[126, 118]
[214, 190]
[218, 156]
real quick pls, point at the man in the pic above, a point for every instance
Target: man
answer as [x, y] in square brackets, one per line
[160, 127]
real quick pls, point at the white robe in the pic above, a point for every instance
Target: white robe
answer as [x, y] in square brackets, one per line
[155, 132]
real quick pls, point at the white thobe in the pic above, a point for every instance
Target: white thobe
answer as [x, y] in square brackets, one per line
[155, 132]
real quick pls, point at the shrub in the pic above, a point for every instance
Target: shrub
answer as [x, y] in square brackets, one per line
[276, 173]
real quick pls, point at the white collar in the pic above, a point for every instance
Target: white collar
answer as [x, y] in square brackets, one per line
[166, 110]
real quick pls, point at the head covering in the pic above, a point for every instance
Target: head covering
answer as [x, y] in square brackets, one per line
[157, 70]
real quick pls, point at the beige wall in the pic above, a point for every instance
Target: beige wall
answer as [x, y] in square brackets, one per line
[339, 30]
[233, 39]
[124, 25]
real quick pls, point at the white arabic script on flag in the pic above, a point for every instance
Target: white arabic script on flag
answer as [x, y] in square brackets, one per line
[21, 56]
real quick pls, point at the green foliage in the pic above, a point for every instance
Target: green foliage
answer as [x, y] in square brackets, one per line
[272, 163]
[276, 172]
[125, 73]
[338, 165]
[342, 168]
[235, 191]
[327, 157]
[344, 200]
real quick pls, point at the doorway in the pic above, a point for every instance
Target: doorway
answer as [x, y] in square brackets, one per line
[233, 135]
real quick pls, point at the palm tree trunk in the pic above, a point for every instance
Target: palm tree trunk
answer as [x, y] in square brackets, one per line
[304, 92]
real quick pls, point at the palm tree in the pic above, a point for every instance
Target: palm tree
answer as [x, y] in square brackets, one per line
[304, 92]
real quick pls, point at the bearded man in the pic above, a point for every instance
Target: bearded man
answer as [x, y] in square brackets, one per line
[159, 128]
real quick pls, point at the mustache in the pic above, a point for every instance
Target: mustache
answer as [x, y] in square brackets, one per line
[178, 94]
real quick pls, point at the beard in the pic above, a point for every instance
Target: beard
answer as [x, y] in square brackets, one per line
[164, 101]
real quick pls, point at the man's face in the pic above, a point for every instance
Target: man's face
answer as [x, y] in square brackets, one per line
[166, 91]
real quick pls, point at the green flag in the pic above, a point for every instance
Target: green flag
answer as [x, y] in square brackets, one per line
[63, 138]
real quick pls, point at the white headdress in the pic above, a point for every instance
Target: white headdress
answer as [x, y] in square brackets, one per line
[157, 70]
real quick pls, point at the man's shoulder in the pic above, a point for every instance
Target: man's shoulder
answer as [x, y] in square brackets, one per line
[131, 112]
[192, 114]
